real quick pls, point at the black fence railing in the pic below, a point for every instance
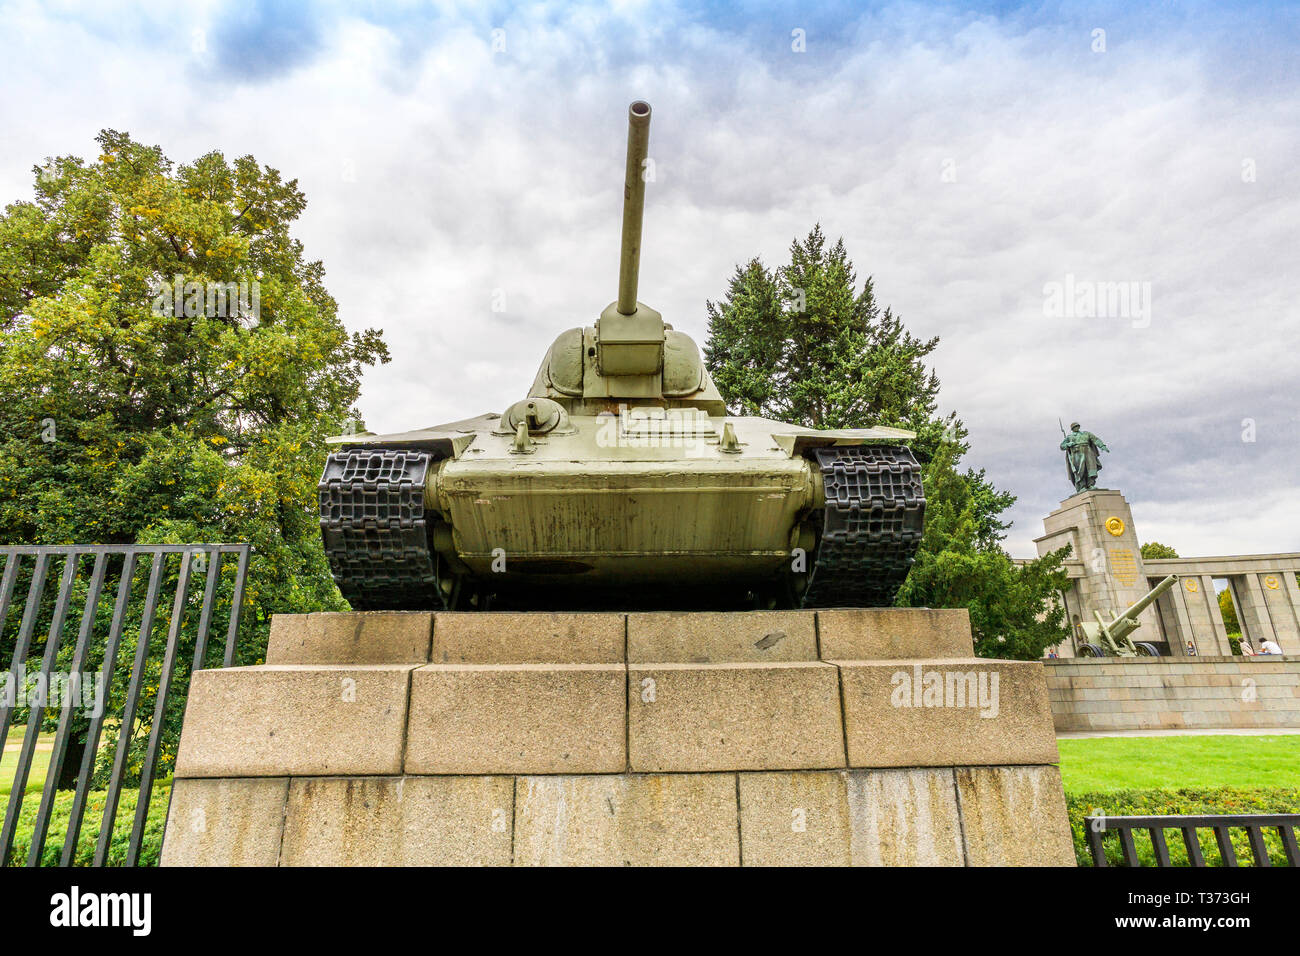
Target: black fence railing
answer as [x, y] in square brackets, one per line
[63, 679]
[1254, 826]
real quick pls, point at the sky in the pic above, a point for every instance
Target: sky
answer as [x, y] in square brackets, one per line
[1096, 207]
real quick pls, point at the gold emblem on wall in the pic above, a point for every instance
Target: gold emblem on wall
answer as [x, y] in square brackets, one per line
[1123, 566]
[1192, 585]
[1272, 583]
[1115, 526]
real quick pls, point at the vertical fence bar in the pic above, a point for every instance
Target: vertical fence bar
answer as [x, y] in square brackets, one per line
[1158, 844]
[7, 586]
[159, 711]
[97, 721]
[1127, 846]
[1193, 843]
[18, 670]
[205, 616]
[236, 606]
[1258, 849]
[128, 710]
[1287, 833]
[1224, 839]
[1095, 842]
[35, 711]
[61, 737]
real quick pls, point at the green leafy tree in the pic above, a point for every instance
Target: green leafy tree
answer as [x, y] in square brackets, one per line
[1229, 611]
[1155, 550]
[170, 364]
[803, 343]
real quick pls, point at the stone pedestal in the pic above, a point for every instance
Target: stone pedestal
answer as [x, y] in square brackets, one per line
[818, 738]
[1098, 526]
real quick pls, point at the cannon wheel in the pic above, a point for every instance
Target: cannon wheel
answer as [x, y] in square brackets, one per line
[1150, 650]
[1091, 650]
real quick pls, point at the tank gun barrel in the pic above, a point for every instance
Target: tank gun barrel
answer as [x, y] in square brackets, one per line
[638, 147]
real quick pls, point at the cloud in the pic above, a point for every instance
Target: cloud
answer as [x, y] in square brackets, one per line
[969, 159]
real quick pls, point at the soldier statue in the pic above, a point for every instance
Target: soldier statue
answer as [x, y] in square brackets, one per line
[1082, 457]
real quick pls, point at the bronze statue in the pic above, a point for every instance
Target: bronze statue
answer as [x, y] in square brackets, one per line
[1082, 457]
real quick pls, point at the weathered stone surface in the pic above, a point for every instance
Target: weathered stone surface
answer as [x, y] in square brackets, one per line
[399, 821]
[796, 818]
[923, 713]
[354, 637]
[527, 638]
[697, 638]
[893, 633]
[517, 718]
[1014, 816]
[904, 818]
[742, 716]
[301, 720]
[627, 820]
[232, 822]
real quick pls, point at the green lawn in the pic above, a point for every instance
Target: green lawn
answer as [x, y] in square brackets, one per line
[1098, 764]
[9, 760]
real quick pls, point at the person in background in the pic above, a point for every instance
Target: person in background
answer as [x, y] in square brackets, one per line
[1247, 650]
[1270, 647]
[1191, 649]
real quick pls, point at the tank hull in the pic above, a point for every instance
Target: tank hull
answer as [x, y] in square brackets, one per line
[617, 513]
[642, 509]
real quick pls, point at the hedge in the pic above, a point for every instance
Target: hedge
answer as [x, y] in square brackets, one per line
[1224, 800]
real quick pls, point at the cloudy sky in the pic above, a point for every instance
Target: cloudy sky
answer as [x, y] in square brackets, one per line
[979, 160]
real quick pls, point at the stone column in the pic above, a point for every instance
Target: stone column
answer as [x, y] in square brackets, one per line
[1293, 596]
[1178, 642]
[1256, 624]
[1281, 606]
[1099, 526]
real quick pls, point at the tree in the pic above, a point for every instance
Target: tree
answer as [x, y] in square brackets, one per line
[170, 364]
[1154, 549]
[802, 343]
[1229, 611]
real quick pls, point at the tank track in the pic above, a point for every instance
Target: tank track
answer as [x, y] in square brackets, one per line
[871, 527]
[376, 534]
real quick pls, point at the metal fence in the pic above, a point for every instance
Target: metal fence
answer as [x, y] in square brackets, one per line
[1254, 825]
[91, 569]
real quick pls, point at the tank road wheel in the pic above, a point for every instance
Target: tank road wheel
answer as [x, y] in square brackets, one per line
[870, 528]
[376, 532]
[1091, 650]
[1144, 647]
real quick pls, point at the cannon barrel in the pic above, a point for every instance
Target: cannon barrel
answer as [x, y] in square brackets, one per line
[638, 146]
[1150, 597]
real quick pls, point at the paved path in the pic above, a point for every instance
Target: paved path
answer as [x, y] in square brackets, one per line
[1225, 732]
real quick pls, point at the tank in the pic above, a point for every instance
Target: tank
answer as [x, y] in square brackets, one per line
[620, 481]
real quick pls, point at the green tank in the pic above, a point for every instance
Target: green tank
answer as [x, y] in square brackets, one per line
[620, 481]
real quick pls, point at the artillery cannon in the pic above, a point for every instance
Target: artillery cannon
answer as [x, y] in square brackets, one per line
[1112, 637]
[621, 481]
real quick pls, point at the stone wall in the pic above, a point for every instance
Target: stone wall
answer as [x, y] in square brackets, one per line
[837, 737]
[1174, 693]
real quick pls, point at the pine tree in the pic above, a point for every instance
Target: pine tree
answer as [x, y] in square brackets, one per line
[801, 343]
